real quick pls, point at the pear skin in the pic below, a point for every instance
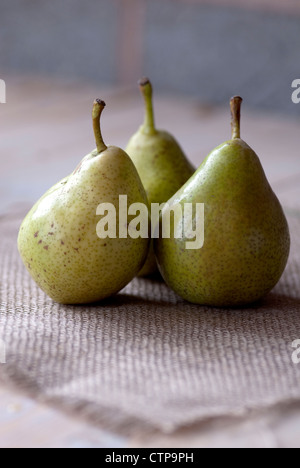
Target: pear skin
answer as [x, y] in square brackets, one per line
[247, 240]
[160, 162]
[58, 241]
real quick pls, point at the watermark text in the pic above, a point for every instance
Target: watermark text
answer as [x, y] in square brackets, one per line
[2, 352]
[2, 92]
[179, 221]
[296, 93]
[296, 353]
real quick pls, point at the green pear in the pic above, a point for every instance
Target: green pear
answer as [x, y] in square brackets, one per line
[58, 239]
[246, 235]
[160, 161]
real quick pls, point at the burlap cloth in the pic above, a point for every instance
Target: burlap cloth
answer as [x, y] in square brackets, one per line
[146, 359]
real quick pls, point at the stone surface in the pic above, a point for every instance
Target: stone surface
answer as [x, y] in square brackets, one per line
[214, 53]
[67, 39]
[206, 51]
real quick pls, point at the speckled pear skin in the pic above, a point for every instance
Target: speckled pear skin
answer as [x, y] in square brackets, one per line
[247, 239]
[58, 241]
[160, 162]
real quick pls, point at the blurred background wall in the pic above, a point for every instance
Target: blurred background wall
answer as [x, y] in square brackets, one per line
[207, 49]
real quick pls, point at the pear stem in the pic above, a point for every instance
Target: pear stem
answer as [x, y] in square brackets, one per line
[235, 106]
[147, 93]
[97, 111]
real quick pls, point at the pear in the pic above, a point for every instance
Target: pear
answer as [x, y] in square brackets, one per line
[160, 161]
[246, 242]
[58, 241]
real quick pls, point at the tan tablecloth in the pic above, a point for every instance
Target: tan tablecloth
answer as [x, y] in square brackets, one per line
[146, 359]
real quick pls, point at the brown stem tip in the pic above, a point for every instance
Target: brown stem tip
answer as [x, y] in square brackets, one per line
[235, 106]
[144, 82]
[100, 102]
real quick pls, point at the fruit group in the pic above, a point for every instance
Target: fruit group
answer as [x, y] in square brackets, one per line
[160, 161]
[58, 241]
[247, 240]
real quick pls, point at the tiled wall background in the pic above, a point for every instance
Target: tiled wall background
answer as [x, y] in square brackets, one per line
[207, 49]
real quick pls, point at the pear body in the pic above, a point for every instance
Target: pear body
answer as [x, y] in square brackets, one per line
[58, 241]
[247, 239]
[163, 168]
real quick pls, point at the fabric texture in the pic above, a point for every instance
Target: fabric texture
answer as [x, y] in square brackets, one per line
[145, 358]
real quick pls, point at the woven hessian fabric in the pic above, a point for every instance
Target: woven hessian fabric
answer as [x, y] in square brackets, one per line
[145, 358]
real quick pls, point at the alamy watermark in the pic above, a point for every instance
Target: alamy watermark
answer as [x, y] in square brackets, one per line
[2, 352]
[296, 353]
[296, 93]
[187, 221]
[2, 92]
